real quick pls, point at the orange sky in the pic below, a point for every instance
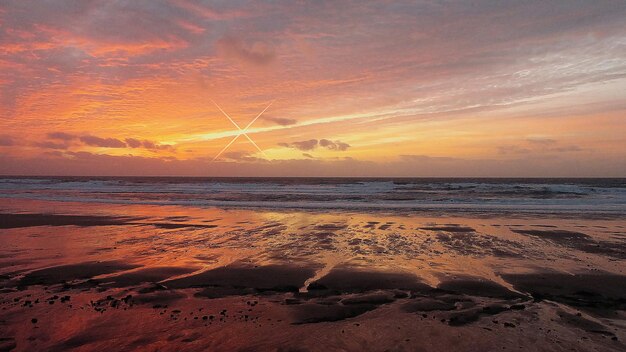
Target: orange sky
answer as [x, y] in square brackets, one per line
[422, 88]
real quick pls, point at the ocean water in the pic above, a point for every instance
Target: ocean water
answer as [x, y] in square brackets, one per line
[592, 196]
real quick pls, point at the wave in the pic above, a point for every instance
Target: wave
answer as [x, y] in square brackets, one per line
[534, 195]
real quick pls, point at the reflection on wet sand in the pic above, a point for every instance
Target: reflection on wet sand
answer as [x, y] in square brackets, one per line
[170, 278]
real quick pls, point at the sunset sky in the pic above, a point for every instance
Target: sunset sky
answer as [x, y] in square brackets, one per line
[417, 88]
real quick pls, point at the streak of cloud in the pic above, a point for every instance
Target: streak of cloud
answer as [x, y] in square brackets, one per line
[102, 142]
[301, 145]
[283, 121]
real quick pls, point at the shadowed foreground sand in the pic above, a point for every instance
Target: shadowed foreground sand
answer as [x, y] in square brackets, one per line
[95, 277]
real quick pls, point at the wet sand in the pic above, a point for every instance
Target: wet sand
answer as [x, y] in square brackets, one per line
[92, 277]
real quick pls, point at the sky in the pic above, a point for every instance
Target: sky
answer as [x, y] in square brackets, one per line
[325, 88]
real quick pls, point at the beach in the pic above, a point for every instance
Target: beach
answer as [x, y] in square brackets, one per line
[288, 265]
[304, 176]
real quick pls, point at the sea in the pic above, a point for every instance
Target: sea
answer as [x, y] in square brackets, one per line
[589, 196]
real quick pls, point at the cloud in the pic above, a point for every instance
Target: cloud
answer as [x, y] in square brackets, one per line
[102, 142]
[253, 52]
[538, 146]
[302, 145]
[307, 155]
[87, 63]
[136, 143]
[51, 145]
[314, 143]
[150, 145]
[96, 141]
[334, 145]
[62, 136]
[154, 146]
[6, 140]
[241, 157]
[283, 121]
[133, 143]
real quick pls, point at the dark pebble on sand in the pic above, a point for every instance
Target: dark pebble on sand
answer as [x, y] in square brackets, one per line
[34, 320]
[205, 317]
[509, 325]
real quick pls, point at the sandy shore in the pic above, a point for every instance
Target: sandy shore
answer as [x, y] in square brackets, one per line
[82, 277]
